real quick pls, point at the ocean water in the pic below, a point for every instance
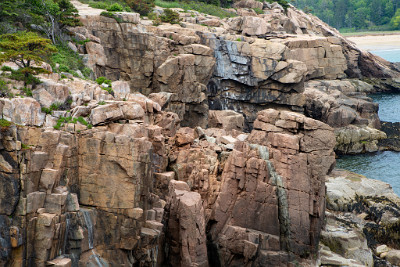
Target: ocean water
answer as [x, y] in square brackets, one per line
[389, 106]
[392, 55]
[384, 166]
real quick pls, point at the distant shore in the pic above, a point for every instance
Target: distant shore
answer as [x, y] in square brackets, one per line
[377, 42]
[371, 33]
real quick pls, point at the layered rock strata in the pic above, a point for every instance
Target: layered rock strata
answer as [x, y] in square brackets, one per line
[160, 172]
[245, 64]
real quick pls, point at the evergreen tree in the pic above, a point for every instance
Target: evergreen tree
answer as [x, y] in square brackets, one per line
[24, 49]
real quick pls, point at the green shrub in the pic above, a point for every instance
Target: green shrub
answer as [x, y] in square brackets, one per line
[63, 68]
[27, 91]
[4, 91]
[115, 7]
[101, 103]
[82, 121]
[170, 16]
[25, 75]
[110, 15]
[82, 42]
[6, 68]
[152, 15]
[53, 106]
[68, 61]
[102, 80]
[143, 7]
[99, 5]
[86, 72]
[258, 10]
[25, 146]
[4, 123]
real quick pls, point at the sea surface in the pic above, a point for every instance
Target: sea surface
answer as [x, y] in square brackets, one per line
[384, 166]
[392, 55]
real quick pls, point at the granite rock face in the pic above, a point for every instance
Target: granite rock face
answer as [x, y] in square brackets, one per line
[105, 194]
[200, 155]
[241, 63]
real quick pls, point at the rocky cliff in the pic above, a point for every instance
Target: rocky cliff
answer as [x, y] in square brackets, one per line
[245, 63]
[212, 149]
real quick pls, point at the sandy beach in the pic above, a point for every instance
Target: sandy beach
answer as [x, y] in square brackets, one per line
[377, 42]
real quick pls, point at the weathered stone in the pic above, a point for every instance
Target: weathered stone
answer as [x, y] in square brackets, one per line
[225, 119]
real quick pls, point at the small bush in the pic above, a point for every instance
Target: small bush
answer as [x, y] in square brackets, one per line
[86, 72]
[4, 91]
[152, 15]
[143, 7]
[4, 123]
[25, 146]
[6, 68]
[82, 42]
[258, 10]
[101, 103]
[82, 121]
[99, 5]
[63, 68]
[110, 15]
[157, 21]
[27, 91]
[68, 60]
[102, 80]
[170, 16]
[53, 106]
[109, 90]
[26, 75]
[115, 7]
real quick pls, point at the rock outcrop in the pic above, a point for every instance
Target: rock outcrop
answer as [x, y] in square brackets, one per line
[242, 63]
[362, 221]
[211, 148]
[104, 194]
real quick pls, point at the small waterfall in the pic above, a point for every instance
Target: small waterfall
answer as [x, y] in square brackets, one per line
[67, 224]
[89, 226]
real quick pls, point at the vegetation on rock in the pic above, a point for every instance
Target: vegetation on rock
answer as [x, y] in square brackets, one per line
[202, 7]
[170, 16]
[26, 49]
[110, 15]
[4, 123]
[143, 7]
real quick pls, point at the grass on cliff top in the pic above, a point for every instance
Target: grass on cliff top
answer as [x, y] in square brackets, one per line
[197, 6]
[107, 5]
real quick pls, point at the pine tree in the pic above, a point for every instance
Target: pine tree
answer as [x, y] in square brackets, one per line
[24, 49]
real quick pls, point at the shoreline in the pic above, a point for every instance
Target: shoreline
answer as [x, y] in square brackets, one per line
[364, 34]
[371, 42]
